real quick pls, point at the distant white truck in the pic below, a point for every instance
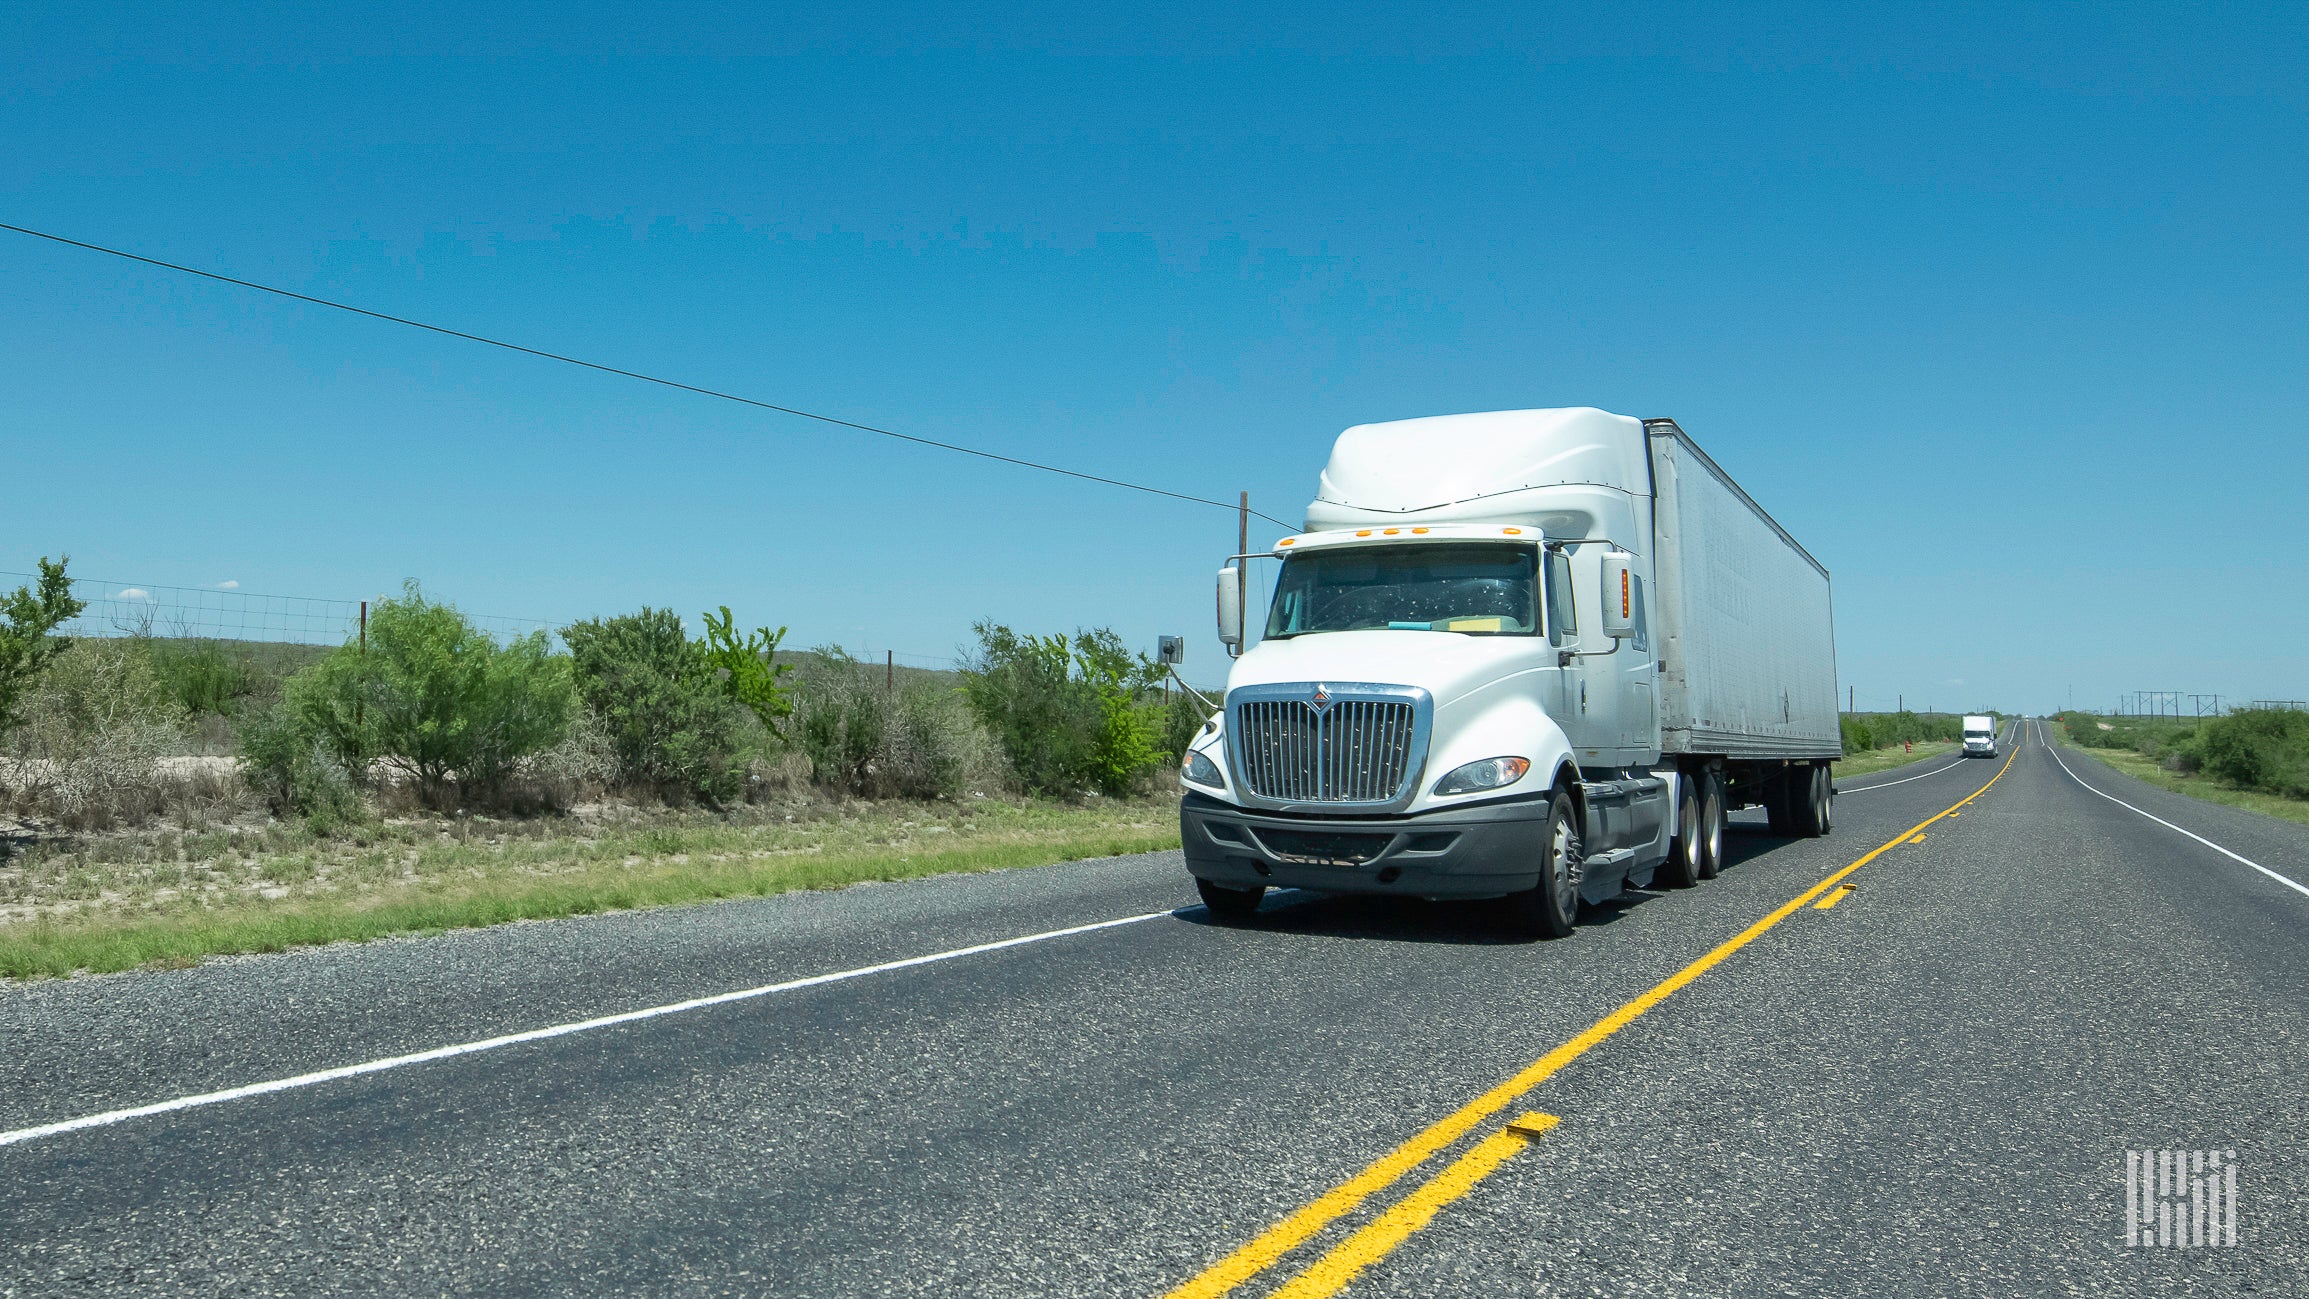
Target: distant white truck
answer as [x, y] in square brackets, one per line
[1979, 736]
[1535, 655]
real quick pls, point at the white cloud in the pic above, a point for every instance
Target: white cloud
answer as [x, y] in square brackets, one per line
[228, 585]
[134, 593]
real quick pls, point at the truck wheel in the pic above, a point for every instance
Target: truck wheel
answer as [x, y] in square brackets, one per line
[1551, 908]
[1686, 853]
[1711, 825]
[1810, 795]
[1782, 803]
[1230, 906]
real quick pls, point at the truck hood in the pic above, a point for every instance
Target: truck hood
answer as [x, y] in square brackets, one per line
[1447, 664]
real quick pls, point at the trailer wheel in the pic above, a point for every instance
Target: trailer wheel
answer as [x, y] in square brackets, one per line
[1807, 795]
[1687, 853]
[1783, 804]
[1827, 784]
[1550, 908]
[1711, 825]
[1230, 906]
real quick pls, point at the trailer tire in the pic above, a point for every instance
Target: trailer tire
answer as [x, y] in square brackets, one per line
[1686, 851]
[1230, 906]
[1808, 792]
[1711, 824]
[1785, 798]
[1550, 908]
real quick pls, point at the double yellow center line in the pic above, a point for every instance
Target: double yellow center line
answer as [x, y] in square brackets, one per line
[1373, 1242]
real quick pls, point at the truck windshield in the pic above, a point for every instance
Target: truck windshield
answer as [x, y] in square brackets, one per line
[1481, 589]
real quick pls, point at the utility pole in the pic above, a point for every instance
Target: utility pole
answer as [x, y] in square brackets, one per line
[1243, 567]
[890, 672]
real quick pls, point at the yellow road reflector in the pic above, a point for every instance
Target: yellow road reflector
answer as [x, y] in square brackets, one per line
[1832, 897]
[1534, 1125]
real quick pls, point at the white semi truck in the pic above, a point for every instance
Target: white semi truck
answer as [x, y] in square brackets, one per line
[1535, 655]
[1979, 736]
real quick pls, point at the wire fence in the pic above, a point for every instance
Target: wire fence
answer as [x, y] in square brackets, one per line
[114, 608]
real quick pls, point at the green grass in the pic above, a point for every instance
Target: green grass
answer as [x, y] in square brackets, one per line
[2140, 767]
[1868, 764]
[102, 908]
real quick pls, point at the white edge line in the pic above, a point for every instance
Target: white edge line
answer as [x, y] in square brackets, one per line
[1862, 789]
[2053, 749]
[537, 1035]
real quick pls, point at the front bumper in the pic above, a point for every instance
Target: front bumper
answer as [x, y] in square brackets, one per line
[1461, 852]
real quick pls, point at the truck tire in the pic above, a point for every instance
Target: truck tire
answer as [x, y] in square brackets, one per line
[1550, 908]
[1809, 795]
[1230, 906]
[1711, 824]
[1686, 851]
[1785, 798]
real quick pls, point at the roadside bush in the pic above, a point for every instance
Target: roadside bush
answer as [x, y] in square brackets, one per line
[870, 741]
[93, 729]
[435, 699]
[671, 724]
[2259, 748]
[1858, 738]
[1867, 731]
[1068, 715]
[294, 769]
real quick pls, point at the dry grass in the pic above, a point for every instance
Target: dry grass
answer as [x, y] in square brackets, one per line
[119, 900]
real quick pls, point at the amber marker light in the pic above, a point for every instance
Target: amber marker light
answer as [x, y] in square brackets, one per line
[1364, 532]
[1419, 532]
[1512, 532]
[1288, 541]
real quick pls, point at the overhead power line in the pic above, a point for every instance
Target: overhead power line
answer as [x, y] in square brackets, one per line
[632, 374]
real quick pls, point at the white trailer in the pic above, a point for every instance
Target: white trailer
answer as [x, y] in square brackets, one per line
[1536, 655]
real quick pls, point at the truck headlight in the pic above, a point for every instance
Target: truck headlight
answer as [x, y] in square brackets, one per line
[1491, 773]
[1200, 770]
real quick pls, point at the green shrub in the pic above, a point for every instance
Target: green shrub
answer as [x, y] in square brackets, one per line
[748, 669]
[1858, 738]
[672, 724]
[28, 619]
[1069, 715]
[290, 764]
[2259, 748]
[435, 698]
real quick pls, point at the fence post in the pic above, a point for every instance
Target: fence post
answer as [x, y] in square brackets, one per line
[890, 672]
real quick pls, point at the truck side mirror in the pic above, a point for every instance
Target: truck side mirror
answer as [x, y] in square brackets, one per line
[1230, 608]
[1619, 595]
[1170, 649]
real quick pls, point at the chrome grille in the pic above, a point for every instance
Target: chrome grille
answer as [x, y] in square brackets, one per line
[1355, 751]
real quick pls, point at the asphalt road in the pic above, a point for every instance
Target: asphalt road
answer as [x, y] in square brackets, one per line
[1929, 1088]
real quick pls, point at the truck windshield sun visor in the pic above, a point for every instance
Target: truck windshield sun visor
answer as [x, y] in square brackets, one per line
[1478, 589]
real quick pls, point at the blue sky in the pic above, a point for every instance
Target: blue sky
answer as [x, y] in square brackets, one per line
[1998, 308]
